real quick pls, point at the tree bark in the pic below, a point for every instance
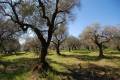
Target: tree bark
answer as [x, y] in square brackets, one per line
[42, 63]
[118, 48]
[69, 49]
[58, 50]
[100, 50]
[44, 52]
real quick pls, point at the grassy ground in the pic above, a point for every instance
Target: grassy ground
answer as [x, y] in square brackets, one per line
[74, 65]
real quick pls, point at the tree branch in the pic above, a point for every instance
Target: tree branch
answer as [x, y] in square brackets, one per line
[54, 42]
[44, 12]
[58, 24]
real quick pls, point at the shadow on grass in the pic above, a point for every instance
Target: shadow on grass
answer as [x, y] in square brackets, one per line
[81, 52]
[21, 66]
[90, 58]
[113, 52]
[17, 67]
[92, 72]
[50, 54]
[11, 54]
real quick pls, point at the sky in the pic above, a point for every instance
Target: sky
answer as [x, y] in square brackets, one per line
[105, 12]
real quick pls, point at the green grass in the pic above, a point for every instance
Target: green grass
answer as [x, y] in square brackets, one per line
[65, 67]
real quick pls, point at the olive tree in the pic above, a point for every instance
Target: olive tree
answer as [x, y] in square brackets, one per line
[72, 43]
[98, 35]
[11, 45]
[32, 44]
[59, 37]
[115, 41]
[41, 16]
[8, 32]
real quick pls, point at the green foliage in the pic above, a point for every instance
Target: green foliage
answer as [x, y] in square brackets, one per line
[27, 9]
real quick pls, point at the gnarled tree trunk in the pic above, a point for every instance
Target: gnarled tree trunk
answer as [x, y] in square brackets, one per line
[42, 63]
[100, 50]
[58, 49]
[69, 49]
[44, 52]
[118, 48]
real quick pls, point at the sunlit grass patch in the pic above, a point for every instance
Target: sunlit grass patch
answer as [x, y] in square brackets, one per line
[16, 56]
[19, 65]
